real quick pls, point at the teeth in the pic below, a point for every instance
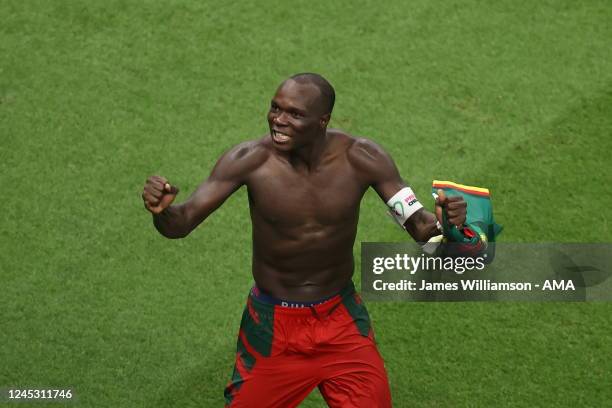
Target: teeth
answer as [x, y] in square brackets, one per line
[281, 137]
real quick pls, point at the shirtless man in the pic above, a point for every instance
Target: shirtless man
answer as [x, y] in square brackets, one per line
[304, 326]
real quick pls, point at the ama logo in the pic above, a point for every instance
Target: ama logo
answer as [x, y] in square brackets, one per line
[558, 285]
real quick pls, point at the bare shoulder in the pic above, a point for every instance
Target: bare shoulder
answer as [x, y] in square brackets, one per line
[369, 157]
[373, 165]
[250, 150]
[242, 159]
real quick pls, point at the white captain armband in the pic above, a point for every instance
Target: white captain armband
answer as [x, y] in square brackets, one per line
[403, 204]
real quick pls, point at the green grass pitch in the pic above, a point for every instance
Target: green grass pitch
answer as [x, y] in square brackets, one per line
[96, 96]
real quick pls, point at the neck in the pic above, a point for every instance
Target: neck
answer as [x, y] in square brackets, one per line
[310, 156]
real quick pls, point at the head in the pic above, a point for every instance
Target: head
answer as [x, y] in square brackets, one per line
[300, 111]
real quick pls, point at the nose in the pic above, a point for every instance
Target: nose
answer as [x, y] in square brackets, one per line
[280, 119]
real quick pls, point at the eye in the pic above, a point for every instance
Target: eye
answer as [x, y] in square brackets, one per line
[297, 115]
[273, 107]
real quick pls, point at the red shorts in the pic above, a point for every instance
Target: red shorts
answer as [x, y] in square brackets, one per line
[283, 353]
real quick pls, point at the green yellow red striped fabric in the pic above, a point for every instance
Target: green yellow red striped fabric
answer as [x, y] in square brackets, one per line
[449, 185]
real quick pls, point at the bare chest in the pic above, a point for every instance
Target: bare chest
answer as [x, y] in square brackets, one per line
[281, 194]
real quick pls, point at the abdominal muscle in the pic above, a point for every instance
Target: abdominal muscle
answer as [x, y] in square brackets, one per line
[303, 263]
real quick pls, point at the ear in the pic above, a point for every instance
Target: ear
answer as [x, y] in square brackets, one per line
[324, 120]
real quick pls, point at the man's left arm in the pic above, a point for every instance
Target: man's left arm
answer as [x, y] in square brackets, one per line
[376, 166]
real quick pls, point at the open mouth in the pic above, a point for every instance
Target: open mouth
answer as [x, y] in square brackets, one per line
[280, 137]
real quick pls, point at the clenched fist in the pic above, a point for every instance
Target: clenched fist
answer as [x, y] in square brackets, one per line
[158, 194]
[455, 207]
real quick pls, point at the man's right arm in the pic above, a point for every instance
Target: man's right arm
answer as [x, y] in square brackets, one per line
[228, 175]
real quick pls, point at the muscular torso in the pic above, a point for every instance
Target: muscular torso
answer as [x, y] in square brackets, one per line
[304, 209]
[305, 221]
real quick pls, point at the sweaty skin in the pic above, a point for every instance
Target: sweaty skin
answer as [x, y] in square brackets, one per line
[305, 184]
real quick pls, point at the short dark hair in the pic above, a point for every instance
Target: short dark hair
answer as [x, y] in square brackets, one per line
[327, 90]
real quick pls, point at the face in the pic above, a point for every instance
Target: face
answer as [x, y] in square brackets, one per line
[296, 117]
